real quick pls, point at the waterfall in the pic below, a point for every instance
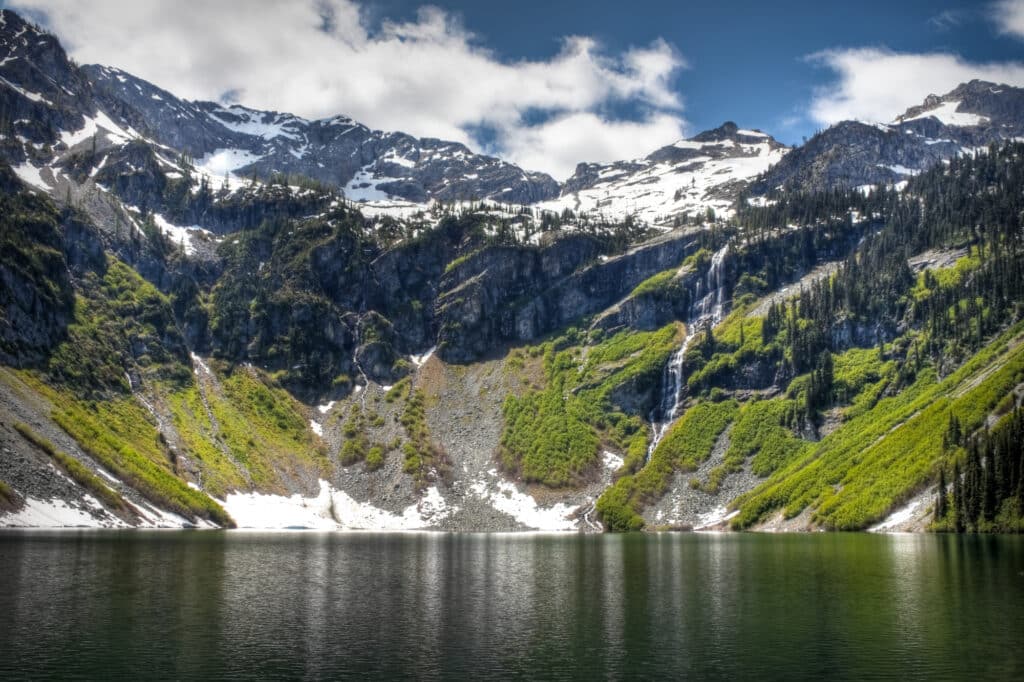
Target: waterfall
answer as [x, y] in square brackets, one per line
[708, 310]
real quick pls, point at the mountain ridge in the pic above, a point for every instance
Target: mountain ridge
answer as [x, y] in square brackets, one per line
[265, 351]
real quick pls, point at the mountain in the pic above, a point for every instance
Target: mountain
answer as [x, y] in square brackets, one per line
[683, 179]
[856, 153]
[180, 346]
[338, 151]
[368, 164]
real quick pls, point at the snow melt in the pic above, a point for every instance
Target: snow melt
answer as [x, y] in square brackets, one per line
[92, 127]
[658, 191]
[255, 123]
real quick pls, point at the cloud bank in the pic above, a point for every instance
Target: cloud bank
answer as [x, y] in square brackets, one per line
[875, 84]
[429, 77]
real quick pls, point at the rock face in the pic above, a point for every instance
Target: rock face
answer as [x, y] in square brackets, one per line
[853, 153]
[41, 91]
[36, 298]
[503, 295]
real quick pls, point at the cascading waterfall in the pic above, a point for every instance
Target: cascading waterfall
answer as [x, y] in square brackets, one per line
[708, 310]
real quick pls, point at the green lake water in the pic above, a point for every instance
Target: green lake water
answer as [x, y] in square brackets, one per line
[234, 605]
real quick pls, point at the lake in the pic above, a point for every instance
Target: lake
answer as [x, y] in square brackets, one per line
[236, 605]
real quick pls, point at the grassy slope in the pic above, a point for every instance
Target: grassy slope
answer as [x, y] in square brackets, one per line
[553, 435]
[891, 448]
[256, 434]
[687, 444]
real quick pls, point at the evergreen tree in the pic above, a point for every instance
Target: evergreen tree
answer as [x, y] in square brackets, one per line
[940, 497]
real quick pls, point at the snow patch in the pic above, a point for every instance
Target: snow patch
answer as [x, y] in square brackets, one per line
[92, 127]
[35, 97]
[179, 235]
[611, 460]
[420, 360]
[947, 113]
[898, 517]
[506, 497]
[902, 170]
[324, 409]
[57, 513]
[224, 162]
[714, 517]
[259, 124]
[316, 427]
[29, 174]
[333, 509]
[363, 187]
[154, 517]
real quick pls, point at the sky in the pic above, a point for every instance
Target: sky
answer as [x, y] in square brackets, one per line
[550, 84]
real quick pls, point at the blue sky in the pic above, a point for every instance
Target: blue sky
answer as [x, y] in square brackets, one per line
[548, 84]
[747, 61]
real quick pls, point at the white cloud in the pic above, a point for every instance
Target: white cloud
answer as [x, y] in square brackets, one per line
[1009, 16]
[877, 84]
[582, 136]
[427, 77]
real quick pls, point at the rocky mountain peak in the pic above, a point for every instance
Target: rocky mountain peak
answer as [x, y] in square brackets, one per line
[975, 103]
[726, 131]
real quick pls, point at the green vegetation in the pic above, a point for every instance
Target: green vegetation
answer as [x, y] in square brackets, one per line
[655, 284]
[75, 469]
[552, 436]
[119, 435]
[988, 496]
[272, 306]
[460, 260]
[8, 498]
[424, 459]
[762, 433]
[688, 442]
[260, 433]
[117, 315]
[399, 391]
[375, 458]
[356, 443]
[857, 473]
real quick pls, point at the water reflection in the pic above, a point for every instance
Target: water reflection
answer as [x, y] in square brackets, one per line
[428, 606]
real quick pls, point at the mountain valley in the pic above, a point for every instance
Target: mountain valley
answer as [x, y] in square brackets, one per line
[214, 316]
